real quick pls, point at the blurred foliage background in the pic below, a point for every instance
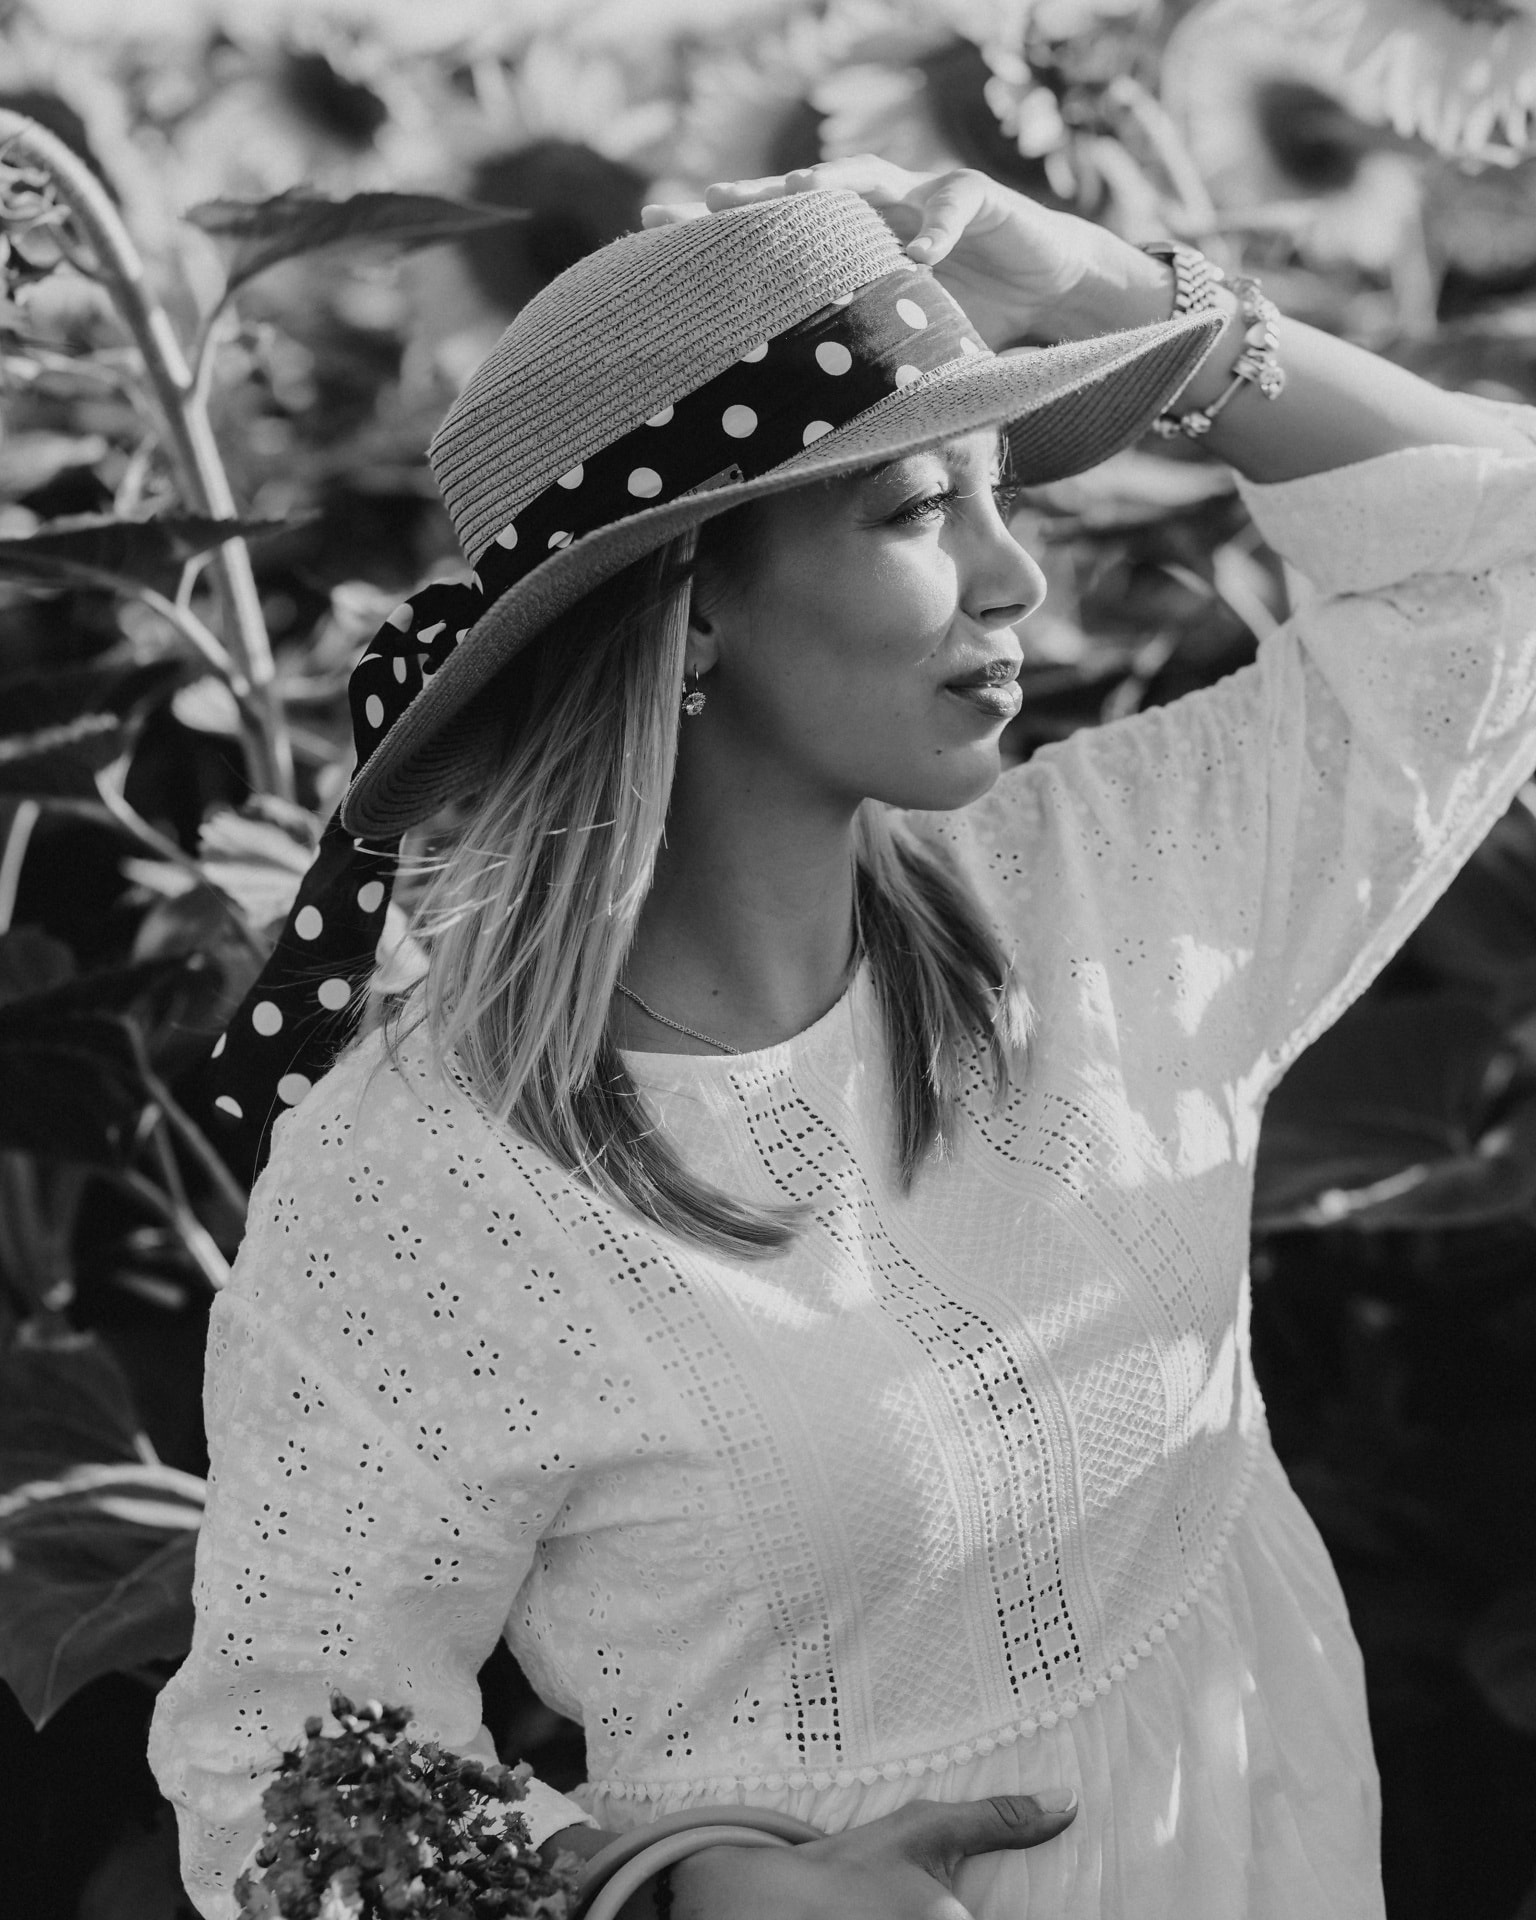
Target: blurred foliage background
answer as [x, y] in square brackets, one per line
[249, 252]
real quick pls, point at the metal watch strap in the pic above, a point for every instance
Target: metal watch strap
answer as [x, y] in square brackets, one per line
[1258, 365]
[1195, 279]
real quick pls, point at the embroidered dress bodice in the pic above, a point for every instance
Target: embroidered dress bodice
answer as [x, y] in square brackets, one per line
[969, 1491]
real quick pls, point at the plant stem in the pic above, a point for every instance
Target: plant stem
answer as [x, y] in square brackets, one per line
[122, 814]
[192, 444]
[17, 836]
[180, 618]
[1197, 211]
[188, 1229]
[197, 1144]
[111, 810]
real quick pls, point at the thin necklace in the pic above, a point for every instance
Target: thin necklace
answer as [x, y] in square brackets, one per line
[708, 1038]
[676, 1025]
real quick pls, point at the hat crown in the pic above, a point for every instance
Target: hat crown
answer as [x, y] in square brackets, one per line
[631, 328]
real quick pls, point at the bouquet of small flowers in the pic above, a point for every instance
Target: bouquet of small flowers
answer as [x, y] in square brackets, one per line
[363, 1824]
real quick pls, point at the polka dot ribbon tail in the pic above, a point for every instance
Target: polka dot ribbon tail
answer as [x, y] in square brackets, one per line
[293, 1022]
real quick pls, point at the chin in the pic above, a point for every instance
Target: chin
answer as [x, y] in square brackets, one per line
[954, 780]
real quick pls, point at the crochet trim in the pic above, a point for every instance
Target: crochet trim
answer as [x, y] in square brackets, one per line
[1086, 1695]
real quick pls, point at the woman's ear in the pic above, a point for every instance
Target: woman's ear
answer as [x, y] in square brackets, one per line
[703, 651]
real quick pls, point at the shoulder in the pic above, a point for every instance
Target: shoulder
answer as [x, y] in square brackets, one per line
[389, 1179]
[393, 1231]
[384, 1173]
[383, 1111]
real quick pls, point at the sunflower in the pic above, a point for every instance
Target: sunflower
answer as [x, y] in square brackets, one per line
[1264, 110]
[846, 78]
[747, 108]
[1459, 74]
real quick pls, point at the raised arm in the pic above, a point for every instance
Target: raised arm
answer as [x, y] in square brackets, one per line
[1341, 404]
[1301, 817]
[1025, 273]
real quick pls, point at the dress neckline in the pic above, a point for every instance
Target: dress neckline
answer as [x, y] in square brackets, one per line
[648, 1065]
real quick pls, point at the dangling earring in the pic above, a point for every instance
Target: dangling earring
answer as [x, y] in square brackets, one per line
[693, 702]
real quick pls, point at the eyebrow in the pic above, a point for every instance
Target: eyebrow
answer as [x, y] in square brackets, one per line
[884, 466]
[943, 446]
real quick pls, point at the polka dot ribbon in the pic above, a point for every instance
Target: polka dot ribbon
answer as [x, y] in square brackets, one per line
[778, 398]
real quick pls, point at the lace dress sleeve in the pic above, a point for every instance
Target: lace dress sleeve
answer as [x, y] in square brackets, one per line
[360, 1532]
[1243, 861]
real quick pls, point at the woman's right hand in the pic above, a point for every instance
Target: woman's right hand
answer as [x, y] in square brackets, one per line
[899, 1868]
[1020, 270]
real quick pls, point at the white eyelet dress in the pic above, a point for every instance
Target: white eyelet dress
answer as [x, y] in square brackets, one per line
[970, 1492]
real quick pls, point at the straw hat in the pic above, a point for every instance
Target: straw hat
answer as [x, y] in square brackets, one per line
[662, 380]
[670, 377]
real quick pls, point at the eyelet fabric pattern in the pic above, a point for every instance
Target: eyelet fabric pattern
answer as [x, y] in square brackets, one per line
[971, 1488]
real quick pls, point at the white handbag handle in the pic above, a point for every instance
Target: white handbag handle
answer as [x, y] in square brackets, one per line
[626, 1863]
[661, 1854]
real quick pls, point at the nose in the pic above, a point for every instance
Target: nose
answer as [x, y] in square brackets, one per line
[1006, 584]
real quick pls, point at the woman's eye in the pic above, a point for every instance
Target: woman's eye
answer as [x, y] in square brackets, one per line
[929, 504]
[1004, 492]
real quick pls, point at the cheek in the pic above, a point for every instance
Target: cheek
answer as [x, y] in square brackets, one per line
[859, 624]
[833, 672]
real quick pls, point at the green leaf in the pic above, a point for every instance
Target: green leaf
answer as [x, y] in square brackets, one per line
[39, 1212]
[258, 857]
[113, 685]
[299, 221]
[32, 961]
[86, 1594]
[71, 1089]
[96, 1538]
[71, 1084]
[1500, 1655]
[1389, 1120]
[148, 552]
[1482, 933]
[141, 988]
[63, 728]
[202, 924]
[62, 762]
[28, 461]
[63, 1402]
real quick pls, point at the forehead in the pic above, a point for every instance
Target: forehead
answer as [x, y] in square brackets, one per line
[781, 522]
[985, 447]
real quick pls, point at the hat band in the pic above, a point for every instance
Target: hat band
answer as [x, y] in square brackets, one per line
[776, 400]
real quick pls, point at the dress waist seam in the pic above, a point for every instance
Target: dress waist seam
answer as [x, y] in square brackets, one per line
[1085, 1695]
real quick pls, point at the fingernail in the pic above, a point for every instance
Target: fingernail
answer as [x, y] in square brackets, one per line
[920, 248]
[1055, 1799]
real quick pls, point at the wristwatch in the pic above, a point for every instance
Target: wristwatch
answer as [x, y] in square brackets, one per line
[1195, 279]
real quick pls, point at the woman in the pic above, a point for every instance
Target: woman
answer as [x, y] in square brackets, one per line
[785, 1262]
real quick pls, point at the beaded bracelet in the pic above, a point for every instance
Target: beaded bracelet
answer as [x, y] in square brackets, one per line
[1258, 365]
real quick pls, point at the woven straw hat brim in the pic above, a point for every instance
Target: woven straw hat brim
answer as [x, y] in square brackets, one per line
[1066, 408]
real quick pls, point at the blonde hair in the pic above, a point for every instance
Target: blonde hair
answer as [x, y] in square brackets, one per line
[529, 909]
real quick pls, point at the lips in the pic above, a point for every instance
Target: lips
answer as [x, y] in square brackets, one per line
[991, 673]
[992, 688]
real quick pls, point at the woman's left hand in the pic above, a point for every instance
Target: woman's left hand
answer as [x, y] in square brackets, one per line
[1021, 271]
